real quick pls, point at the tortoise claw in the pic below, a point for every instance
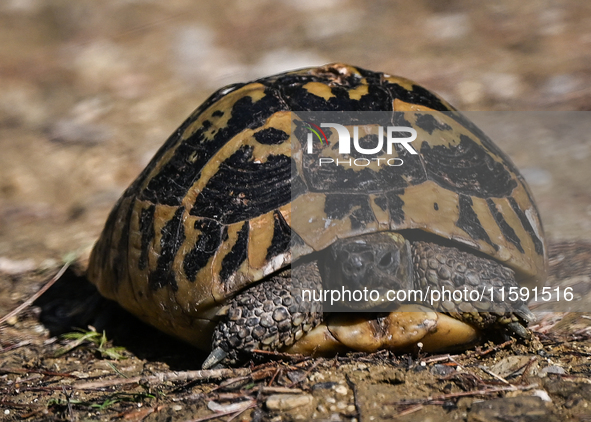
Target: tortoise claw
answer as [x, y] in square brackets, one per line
[519, 330]
[216, 356]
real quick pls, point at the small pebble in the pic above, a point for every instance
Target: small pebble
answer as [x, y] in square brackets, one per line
[553, 369]
[536, 176]
[341, 389]
[502, 85]
[543, 395]
[323, 385]
[12, 320]
[74, 131]
[470, 91]
[562, 84]
[448, 26]
[287, 401]
[442, 370]
[16, 266]
[228, 407]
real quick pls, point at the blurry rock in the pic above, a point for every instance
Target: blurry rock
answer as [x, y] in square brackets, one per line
[229, 407]
[16, 266]
[470, 92]
[552, 369]
[442, 370]
[200, 61]
[502, 86]
[21, 103]
[536, 176]
[81, 126]
[99, 62]
[287, 401]
[448, 26]
[76, 132]
[522, 408]
[333, 23]
[543, 395]
[313, 5]
[561, 85]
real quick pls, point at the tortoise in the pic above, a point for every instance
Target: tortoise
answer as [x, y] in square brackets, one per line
[214, 244]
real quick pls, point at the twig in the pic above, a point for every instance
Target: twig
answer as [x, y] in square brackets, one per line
[33, 298]
[15, 346]
[440, 359]
[241, 412]
[69, 403]
[491, 373]
[277, 372]
[280, 390]
[484, 392]
[353, 388]
[496, 347]
[35, 371]
[206, 374]
[219, 415]
[524, 376]
[279, 355]
[410, 410]
[308, 372]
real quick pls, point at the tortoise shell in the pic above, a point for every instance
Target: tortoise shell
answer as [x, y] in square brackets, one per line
[214, 210]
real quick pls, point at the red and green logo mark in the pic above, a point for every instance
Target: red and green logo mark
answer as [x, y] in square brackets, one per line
[317, 131]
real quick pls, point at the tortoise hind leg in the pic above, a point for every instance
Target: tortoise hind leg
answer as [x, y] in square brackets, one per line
[443, 267]
[267, 316]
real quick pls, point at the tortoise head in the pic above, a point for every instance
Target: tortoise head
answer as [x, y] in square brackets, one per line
[377, 262]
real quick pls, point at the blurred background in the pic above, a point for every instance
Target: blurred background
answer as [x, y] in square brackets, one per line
[90, 89]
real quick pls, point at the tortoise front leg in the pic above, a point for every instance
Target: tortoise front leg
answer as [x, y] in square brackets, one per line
[267, 316]
[443, 267]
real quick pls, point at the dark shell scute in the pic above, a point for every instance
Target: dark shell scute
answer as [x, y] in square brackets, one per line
[172, 237]
[280, 242]
[418, 95]
[147, 232]
[271, 136]
[469, 222]
[205, 247]
[538, 245]
[337, 206]
[242, 188]
[506, 229]
[395, 204]
[300, 99]
[429, 123]
[172, 183]
[467, 168]
[237, 254]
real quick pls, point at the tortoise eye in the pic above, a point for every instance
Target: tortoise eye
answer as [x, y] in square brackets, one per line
[386, 260]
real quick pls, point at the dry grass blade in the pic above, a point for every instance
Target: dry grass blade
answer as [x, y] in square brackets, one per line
[36, 296]
[209, 374]
[443, 397]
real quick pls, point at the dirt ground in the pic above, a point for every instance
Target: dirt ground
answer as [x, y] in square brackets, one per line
[88, 92]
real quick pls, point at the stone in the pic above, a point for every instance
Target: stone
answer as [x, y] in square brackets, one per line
[287, 401]
[521, 408]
